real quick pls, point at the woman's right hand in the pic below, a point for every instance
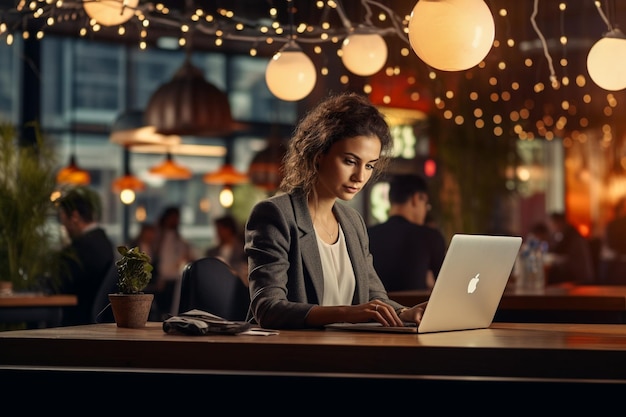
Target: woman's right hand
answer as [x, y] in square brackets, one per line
[374, 310]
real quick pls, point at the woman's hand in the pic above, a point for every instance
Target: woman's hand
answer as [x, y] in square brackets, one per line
[374, 310]
[413, 314]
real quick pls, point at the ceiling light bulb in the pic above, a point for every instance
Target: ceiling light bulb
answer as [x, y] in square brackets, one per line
[290, 74]
[110, 12]
[364, 53]
[606, 61]
[451, 35]
[226, 197]
[127, 197]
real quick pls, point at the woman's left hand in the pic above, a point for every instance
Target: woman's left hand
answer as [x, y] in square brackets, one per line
[414, 314]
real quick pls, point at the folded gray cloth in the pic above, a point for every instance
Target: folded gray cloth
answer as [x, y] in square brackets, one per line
[197, 322]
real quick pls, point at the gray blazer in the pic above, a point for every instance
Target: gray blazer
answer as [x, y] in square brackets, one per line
[285, 268]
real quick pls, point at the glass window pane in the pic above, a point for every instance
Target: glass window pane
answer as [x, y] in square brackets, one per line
[10, 81]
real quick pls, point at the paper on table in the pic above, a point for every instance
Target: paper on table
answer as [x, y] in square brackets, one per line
[260, 332]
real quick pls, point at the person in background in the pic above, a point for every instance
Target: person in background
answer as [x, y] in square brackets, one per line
[309, 262]
[170, 255]
[407, 253]
[229, 246]
[569, 252]
[614, 262]
[89, 255]
[145, 238]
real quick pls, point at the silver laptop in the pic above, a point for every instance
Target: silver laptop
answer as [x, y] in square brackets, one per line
[468, 289]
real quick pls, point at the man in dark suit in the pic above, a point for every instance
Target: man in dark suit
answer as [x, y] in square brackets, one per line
[89, 255]
[405, 250]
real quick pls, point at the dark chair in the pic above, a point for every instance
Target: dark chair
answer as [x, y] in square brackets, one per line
[210, 285]
[101, 310]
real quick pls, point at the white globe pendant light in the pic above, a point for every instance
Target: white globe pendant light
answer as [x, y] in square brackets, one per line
[451, 35]
[110, 12]
[606, 61]
[290, 74]
[364, 53]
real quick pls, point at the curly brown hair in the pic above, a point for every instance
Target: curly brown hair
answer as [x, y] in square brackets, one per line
[338, 117]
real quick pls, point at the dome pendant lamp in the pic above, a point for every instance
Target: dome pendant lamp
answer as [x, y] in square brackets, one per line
[170, 170]
[189, 105]
[72, 174]
[290, 74]
[110, 12]
[606, 61]
[451, 35]
[364, 52]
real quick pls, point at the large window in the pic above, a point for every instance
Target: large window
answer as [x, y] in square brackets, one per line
[10, 81]
[87, 84]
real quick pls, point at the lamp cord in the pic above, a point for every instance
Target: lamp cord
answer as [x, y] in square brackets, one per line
[553, 78]
[602, 15]
[291, 20]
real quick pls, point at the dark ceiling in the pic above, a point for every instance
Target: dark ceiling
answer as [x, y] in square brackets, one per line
[579, 21]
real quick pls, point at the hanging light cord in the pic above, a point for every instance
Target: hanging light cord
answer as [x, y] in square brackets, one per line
[291, 20]
[598, 5]
[533, 22]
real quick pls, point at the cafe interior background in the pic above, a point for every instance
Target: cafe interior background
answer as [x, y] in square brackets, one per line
[187, 100]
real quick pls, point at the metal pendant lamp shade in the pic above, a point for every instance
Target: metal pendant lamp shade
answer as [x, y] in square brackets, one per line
[189, 105]
[72, 174]
[170, 170]
[226, 175]
[129, 129]
[127, 182]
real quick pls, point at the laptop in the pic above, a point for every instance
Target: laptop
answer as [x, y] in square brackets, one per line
[467, 290]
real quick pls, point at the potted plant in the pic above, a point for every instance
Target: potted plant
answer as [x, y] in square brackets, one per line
[131, 306]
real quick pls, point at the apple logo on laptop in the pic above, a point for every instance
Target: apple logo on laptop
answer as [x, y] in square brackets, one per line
[471, 287]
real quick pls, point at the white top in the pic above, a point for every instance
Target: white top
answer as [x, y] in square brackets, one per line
[339, 280]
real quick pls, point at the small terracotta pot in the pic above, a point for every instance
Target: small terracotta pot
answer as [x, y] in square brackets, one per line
[6, 288]
[131, 310]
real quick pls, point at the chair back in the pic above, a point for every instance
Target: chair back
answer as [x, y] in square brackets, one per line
[210, 285]
[101, 310]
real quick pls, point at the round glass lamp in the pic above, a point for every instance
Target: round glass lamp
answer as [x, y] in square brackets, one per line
[364, 53]
[110, 12]
[451, 35]
[290, 74]
[606, 61]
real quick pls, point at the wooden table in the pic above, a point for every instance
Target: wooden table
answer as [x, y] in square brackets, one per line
[517, 365]
[554, 304]
[34, 309]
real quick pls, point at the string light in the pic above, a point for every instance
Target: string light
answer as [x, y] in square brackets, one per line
[512, 60]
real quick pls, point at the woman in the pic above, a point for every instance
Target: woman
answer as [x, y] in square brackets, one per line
[309, 259]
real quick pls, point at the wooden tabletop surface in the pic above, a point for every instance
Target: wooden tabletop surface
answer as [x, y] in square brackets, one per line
[37, 300]
[533, 350]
